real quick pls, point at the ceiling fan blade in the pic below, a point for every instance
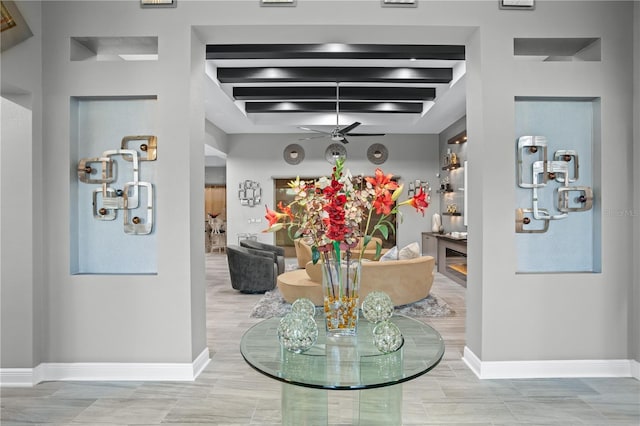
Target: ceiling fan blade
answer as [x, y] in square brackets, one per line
[344, 140]
[367, 134]
[349, 128]
[314, 130]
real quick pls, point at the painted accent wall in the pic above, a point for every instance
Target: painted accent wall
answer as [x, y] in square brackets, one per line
[161, 318]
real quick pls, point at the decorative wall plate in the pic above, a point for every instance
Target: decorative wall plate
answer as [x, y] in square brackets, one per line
[293, 154]
[377, 153]
[334, 151]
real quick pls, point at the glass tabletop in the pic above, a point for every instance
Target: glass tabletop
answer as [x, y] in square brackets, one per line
[345, 362]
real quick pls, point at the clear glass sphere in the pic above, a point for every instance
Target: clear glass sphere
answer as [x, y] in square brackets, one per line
[377, 306]
[387, 337]
[304, 306]
[297, 332]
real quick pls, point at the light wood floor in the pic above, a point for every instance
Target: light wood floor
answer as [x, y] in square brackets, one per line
[229, 392]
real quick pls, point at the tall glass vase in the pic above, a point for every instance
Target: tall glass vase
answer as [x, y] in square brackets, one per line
[341, 288]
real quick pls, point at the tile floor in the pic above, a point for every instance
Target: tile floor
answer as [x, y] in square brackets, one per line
[229, 392]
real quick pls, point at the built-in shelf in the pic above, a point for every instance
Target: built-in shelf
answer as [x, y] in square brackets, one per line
[451, 166]
[458, 139]
[451, 214]
[441, 191]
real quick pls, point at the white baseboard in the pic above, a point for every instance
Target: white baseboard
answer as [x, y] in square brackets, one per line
[104, 371]
[16, 377]
[635, 369]
[549, 369]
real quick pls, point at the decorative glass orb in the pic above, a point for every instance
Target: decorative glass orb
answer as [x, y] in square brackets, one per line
[304, 306]
[377, 306]
[297, 332]
[387, 337]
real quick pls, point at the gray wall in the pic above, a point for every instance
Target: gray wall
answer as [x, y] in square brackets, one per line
[160, 318]
[23, 309]
[634, 317]
[259, 158]
[215, 176]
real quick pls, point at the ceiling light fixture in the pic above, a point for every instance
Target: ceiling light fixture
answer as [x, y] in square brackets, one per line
[399, 3]
[278, 2]
[517, 4]
[158, 3]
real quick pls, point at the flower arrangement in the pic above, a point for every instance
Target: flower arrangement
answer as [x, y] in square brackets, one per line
[333, 213]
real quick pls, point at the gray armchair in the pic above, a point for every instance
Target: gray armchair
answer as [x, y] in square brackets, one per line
[251, 271]
[278, 251]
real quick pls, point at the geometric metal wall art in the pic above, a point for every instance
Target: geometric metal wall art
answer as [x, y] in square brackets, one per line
[537, 173]
[249, 193]
[103, 171]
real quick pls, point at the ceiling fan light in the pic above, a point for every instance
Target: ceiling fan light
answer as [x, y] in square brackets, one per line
[399, 3]
[278, 2]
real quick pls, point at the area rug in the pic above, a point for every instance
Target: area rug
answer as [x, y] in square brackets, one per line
[272, 304]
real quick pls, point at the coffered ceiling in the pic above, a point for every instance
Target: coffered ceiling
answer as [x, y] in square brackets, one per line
[281, 88]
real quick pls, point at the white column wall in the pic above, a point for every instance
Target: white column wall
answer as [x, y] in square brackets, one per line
[126, 318]
[552, 316]
[634, 317]
[22, 292]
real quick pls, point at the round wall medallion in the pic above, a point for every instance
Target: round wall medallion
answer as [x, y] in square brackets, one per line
[335, 151]
[293, 154]
[377, 153]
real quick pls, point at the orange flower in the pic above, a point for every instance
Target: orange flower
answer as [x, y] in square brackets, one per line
[272, 216]
[383, 203]
[382, 182]
[286, 210]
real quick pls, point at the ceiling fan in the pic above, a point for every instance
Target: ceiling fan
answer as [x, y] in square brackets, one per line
[338, 134]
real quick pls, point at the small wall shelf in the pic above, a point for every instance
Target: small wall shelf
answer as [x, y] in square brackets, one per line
[458, 139]
[451, 166]
[451, 214]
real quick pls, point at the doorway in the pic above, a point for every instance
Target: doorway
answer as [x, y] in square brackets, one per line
[215, 217]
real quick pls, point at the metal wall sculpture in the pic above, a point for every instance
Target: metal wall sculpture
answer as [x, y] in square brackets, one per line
[249, 193]
[554, 175]
[108, 200]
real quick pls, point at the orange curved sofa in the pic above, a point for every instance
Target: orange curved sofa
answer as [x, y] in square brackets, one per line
[303, 251]
[405, 281]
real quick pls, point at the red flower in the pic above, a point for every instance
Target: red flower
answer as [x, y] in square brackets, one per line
[418, 201]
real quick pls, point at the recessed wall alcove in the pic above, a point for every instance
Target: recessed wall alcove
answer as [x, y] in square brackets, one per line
[99, 246]
[566, 132]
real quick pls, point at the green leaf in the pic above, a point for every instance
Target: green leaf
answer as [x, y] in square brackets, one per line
[315, 254]
[384, 230]
[336, 248]
[367, 239]
[378, 250]
[391, 226]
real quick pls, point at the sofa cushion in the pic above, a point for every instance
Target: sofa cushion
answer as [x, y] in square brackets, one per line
[410, 251]
[392, 254]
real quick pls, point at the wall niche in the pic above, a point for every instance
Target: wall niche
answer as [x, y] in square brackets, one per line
[113, 159]
[557, 214]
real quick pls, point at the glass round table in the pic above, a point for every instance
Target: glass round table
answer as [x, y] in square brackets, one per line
[345, 363]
